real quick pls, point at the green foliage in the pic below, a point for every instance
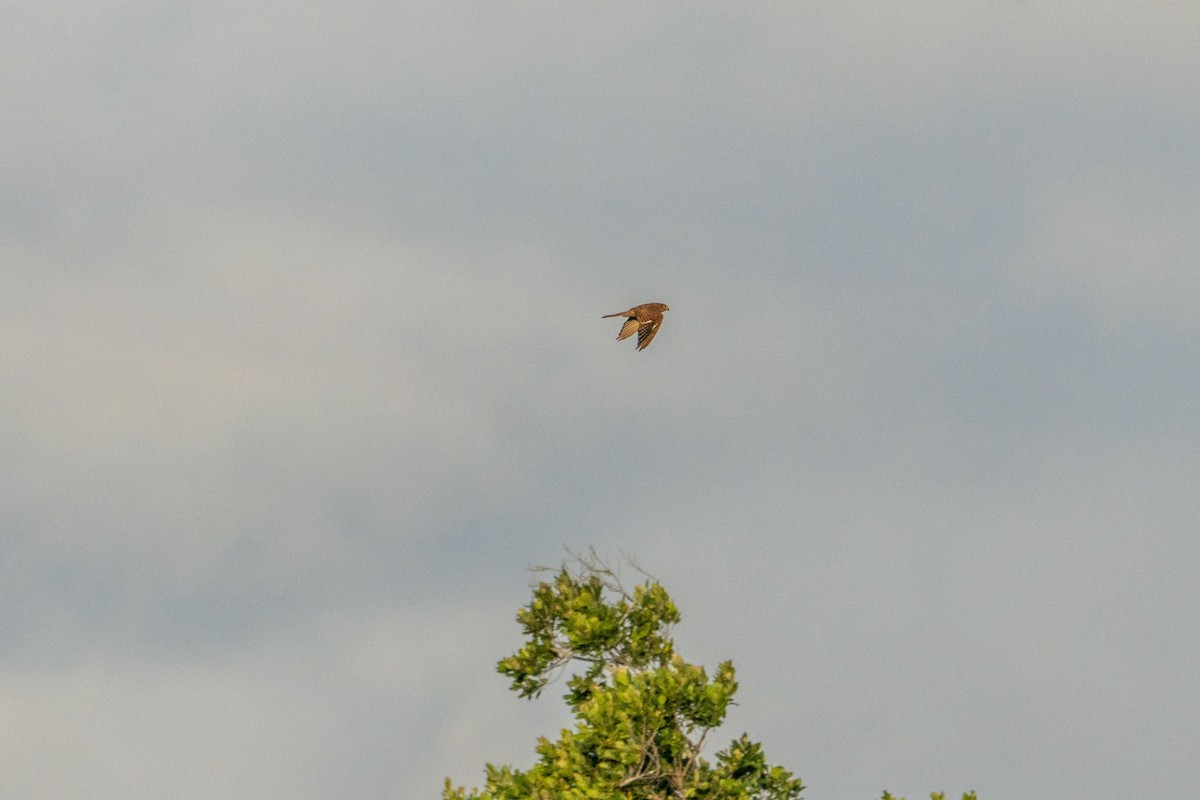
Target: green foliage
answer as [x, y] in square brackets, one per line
[642, 713]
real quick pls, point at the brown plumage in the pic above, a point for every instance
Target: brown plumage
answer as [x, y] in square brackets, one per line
[645, 319]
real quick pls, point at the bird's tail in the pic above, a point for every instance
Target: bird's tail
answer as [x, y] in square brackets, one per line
[618, 314]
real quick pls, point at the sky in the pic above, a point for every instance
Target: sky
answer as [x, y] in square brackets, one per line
[303, 372]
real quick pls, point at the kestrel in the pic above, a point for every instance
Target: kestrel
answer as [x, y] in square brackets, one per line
[645, 319]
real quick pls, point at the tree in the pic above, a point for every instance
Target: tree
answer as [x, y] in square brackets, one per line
[642, 713]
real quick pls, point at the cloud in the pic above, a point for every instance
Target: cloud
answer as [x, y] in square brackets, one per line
[304, 367]
[1119, 247]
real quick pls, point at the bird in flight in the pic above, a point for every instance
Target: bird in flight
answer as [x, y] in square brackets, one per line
[645, 319]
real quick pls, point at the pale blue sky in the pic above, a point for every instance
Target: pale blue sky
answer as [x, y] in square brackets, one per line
[304, 367]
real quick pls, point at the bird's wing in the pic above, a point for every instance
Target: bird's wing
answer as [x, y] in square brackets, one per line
[646, 332]
[627, 329]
